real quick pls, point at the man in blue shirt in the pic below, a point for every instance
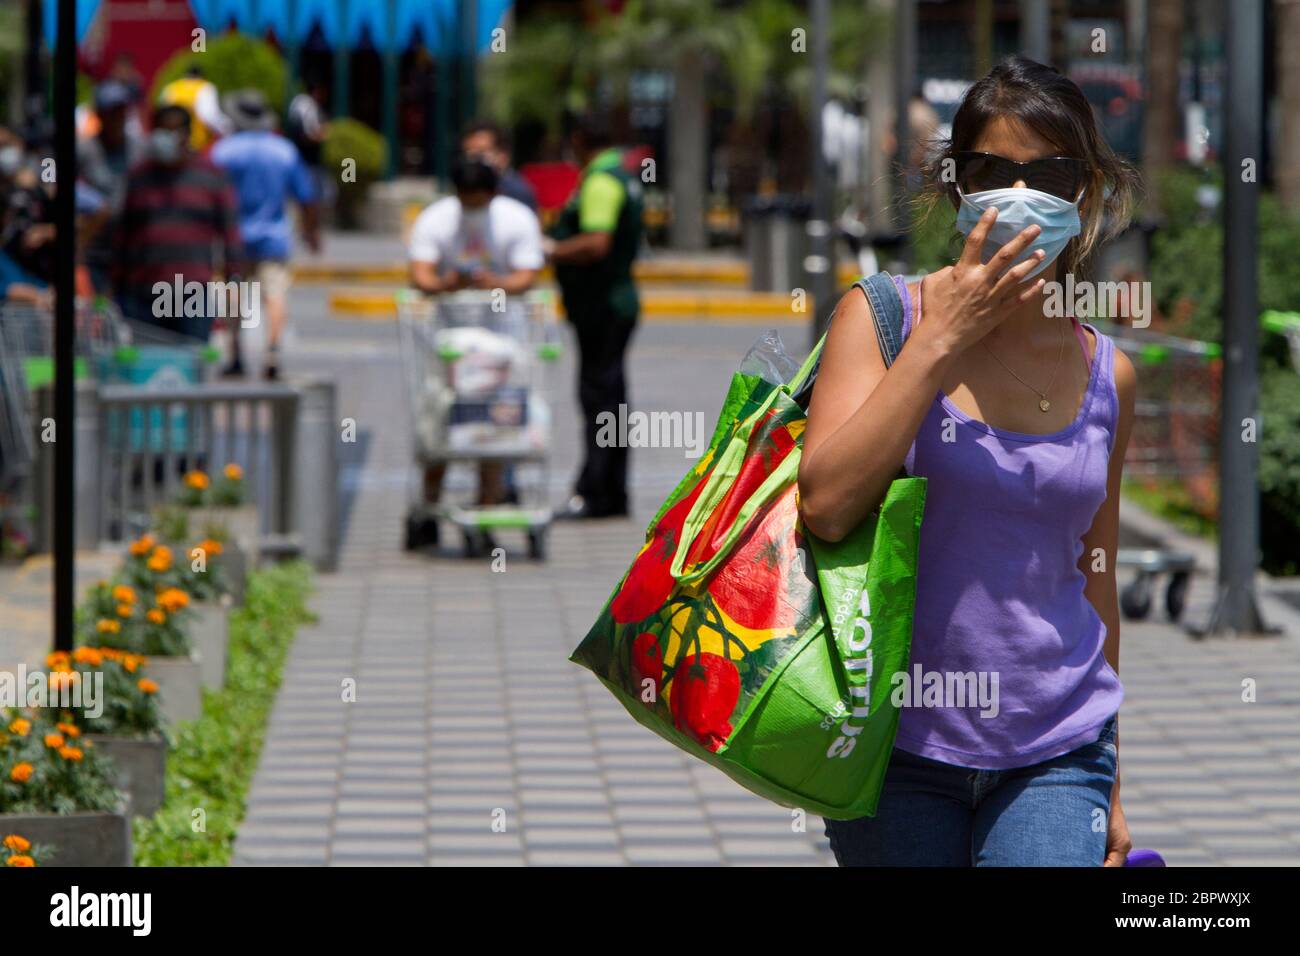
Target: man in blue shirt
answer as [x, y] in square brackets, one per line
[267, 171]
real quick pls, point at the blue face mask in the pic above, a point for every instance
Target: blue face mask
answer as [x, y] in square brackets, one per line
[1018, 208]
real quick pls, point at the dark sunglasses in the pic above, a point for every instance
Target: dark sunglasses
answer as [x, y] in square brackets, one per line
[1061, 176]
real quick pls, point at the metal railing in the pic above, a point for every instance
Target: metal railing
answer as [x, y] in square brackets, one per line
[134, 445]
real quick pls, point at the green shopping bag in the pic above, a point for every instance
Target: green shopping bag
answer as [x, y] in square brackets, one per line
[747, 642]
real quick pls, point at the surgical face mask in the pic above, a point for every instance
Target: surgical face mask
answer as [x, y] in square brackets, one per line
[11, 160]
[1018, 208]
[165, 145]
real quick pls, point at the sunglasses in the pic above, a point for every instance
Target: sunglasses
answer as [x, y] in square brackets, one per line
[1060, 176]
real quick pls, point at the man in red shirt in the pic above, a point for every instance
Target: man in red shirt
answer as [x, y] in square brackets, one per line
[179, 226]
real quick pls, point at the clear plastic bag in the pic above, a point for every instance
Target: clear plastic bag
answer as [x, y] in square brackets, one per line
[768, 359]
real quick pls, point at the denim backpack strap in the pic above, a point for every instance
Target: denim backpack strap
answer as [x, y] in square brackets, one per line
[887, 312]
[887, 308]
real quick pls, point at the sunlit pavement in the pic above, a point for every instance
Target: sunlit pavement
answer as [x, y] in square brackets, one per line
[472, 740]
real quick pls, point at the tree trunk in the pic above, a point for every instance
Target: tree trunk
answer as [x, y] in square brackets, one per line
[688, 148]
[1162, 123]
[1288, 107]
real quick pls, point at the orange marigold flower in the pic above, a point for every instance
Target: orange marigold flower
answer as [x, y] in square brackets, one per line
[155, 615]
[21, 773]
[173, 599]
[60, 679]
[196, 479]
[54, 740]
[124, 610]
[131, 663]
[161, 559]
[233, 472]
[88, 655]
[72, 730]
[16, 843]
[124, 594]
[20, 726]
[73, 754]
[108, 626]
[110, 653]
[147, 686]
[142, 545]
[210, 547]
[56, 658]
[20, 861]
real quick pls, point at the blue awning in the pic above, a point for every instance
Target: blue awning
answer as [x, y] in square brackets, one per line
[388, 23]
[86, 10]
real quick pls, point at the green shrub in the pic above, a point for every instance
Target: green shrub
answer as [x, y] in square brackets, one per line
[232, 62]
[214, 758]
[354, 140]
[1279, 469]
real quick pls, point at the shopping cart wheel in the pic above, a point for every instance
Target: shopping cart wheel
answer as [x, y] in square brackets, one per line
[537, 543]
[1176, 594]
[478, 543]
[421, 532]
[1135, 599]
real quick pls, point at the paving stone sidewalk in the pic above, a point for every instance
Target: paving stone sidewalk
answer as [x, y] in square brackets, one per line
[467, 711]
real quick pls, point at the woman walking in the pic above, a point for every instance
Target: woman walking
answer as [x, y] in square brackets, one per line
[1019, 417]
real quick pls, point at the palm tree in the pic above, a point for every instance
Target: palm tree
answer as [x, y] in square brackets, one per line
[1288, 93]
[692, 39]
[1162, 122]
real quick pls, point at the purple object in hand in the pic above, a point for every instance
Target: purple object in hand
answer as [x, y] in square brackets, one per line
[1144, 858]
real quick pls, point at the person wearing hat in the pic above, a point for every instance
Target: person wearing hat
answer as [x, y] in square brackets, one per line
[198, 97]
[102, 163]
[267, 171]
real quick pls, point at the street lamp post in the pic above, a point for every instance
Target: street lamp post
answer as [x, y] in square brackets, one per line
[819, 265]
[904, 84]
[1236, 608]
[65, 166]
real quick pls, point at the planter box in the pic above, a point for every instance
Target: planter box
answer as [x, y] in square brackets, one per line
[235, 568]
[210, 634]
[78, 839]
[243, 524]
[179, 694]
[141, 767]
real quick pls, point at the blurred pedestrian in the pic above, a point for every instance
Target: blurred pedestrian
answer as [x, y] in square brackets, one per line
[26, 210]
[307, 126]
[476, 239]
[593, 246]
[103, 162]
[267, 171]
[489, 142]
[198, 97]
[178, 220]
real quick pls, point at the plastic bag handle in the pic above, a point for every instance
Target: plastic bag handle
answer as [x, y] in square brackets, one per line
[720, 481]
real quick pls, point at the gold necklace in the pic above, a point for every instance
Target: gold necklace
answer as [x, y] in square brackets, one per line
[1043, 404]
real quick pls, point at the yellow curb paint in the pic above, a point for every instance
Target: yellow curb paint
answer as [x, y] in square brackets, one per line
[769, 306]
[686, 273]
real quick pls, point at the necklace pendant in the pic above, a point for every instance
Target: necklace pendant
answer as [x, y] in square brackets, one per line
[1044, 405]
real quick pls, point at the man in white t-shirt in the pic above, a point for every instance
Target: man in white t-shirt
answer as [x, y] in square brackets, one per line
[476, 239]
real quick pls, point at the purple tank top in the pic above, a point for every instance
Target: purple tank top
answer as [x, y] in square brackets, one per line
[1001, 616]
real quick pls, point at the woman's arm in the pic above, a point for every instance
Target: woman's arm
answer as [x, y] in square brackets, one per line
[1097, 562]
[858, 434]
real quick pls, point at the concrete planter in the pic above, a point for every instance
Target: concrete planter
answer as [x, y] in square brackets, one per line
[243, 524]
[210, 634]
[179, 695]
[140, 764]
[235, 569]
[78, 839]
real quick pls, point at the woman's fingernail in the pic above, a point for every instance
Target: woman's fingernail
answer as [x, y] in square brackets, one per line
[1039, 253]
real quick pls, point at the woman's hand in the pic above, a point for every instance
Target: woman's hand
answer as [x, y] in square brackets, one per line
[966, 301]
[1118, 842]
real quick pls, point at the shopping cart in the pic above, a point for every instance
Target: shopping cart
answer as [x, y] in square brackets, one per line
[107, 349]
[1174, 442]
[476, 370]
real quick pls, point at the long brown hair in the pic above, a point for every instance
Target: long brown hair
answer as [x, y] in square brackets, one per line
[1041, 99]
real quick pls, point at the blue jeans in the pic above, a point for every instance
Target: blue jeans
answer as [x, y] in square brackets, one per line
[1052, 813]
